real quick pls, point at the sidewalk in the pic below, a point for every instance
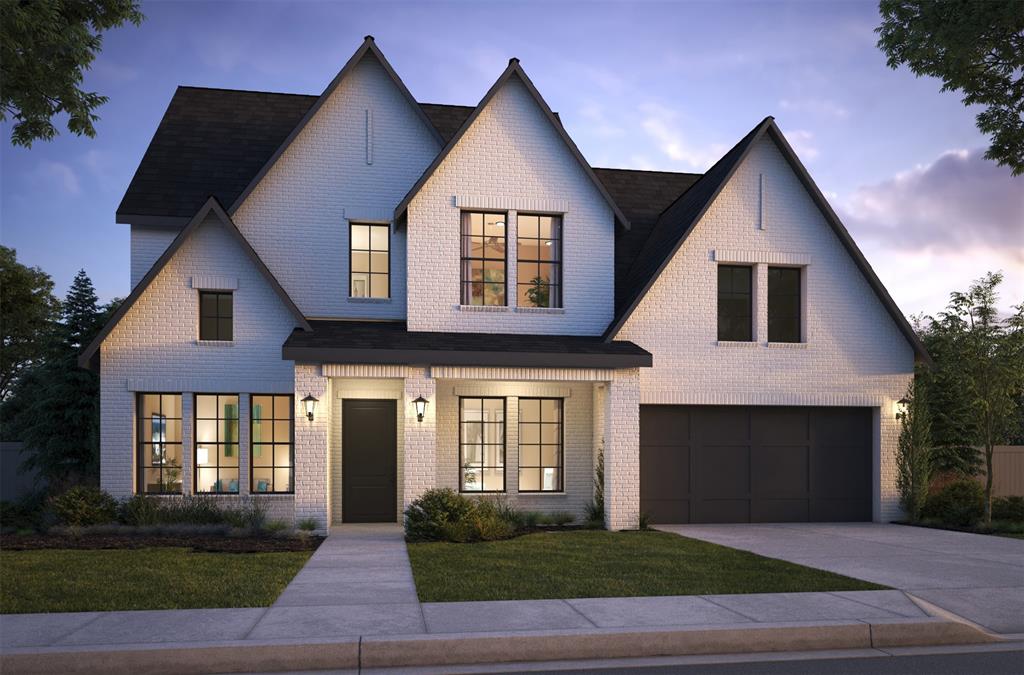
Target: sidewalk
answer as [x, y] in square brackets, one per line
[354, 604]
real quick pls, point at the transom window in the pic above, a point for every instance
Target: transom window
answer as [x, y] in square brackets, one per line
[215, 315]
[483, 258]
[271, 440]
[369, 256]
[482, 444]
[540, 445]
[784, 304]
[216, 444]
[735, 310]
[539, 255]
[159, 443]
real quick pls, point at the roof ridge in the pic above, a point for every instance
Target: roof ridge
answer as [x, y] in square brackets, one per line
[672, 173]
[244, 91]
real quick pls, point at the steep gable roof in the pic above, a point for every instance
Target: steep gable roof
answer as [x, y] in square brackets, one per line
[89, 358]
[679, 219]
[513, 70]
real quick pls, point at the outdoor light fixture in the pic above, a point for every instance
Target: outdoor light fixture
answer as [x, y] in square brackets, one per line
[901, 407]
[421, 407]
[310, 402]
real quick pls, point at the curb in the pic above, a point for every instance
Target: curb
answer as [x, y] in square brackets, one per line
[476, 648]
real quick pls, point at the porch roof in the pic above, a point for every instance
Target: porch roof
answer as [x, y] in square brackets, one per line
[338, 341]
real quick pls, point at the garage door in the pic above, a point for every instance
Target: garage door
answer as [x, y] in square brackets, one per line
[735, 464]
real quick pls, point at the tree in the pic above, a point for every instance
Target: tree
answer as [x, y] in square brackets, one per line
[914, 452]
[973, 47]
[27, 310]
[45, 46]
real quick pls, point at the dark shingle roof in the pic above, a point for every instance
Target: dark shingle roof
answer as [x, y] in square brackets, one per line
[392, 342]
[446, 118]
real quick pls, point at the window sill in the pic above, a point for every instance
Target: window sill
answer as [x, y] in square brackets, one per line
[541, 310]
[787, 345]
[215, 343]
[729, 343]
[371, 301]
[483, 308]
[542, 493]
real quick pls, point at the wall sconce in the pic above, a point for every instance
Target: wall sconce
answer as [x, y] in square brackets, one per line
[421, 407]
[310, 403]
[901, 407]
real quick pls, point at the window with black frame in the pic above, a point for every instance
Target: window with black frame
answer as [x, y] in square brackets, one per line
[784, 304]
[539, 260]
[272, 443]
[540, 445]
[370, 262]
[482, 444]
[735, 303]
[216, 436]
[483, 259]
[216, 315]
[159, 443]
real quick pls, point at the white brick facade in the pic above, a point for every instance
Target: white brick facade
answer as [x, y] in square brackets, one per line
[146, 246]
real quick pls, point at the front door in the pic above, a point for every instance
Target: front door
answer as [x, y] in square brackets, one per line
[368, 461]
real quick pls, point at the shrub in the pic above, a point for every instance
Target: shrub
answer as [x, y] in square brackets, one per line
[492, 521]
[250, 515]
[82, 506]
[275, 527]
[561, 518]
[437, 515]
[308, 525]
[645, 521]
[139, 510]
[1008, 508]
[961, 503]
[531, 519]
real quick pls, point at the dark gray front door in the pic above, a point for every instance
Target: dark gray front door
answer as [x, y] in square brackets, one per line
[738, 464]
[368, 461]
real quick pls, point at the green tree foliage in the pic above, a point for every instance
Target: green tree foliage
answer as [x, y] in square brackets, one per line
[914, 452]
[973, 47]
[45, 47]
[27, 310]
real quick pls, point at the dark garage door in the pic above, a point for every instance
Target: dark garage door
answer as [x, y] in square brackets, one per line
[737, 464]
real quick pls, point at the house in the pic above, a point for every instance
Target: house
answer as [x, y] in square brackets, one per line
[340, 301]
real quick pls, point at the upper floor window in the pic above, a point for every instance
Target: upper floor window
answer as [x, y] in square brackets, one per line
[271, 440]
[216, 443]
[483, 258]
[369, 259]
[784, 304]
[159, 443]
[215, 315]
[735, 303]
[540, 444]
[539, 255]
[482, 444]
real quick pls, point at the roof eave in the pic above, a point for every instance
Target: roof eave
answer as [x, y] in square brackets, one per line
[464, 358]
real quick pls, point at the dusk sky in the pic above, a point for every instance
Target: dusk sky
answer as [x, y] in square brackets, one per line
[667, 86]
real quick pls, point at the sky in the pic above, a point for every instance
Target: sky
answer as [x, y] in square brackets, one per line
[647, 85]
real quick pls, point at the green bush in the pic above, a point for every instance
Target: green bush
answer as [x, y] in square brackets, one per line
[1009, 509]
[436, 515]
[561, 518]
[961, 503]
[250, 515]
[82, 506]
[275, 526]
[139, 510]
[308, 525]
[531, 519]
[493, 521]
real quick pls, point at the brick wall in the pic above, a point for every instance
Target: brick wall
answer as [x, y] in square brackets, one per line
[147, 243]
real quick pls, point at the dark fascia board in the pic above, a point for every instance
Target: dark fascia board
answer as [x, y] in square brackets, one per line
[513, 69]
[768, 126]
[89, 358]
[169, 222]
[368, 47]
[464, 358]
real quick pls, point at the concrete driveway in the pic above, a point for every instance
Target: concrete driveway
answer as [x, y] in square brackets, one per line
[977, 577]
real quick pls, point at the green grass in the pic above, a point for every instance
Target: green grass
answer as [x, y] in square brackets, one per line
[64, 580]
[596, 564]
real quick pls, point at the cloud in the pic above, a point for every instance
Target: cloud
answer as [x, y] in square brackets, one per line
[662, 125]
[803, 143]
[61, 175]
[597, 121]
[815, 106]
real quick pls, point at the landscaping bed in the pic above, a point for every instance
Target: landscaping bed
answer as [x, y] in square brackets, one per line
[208, 542]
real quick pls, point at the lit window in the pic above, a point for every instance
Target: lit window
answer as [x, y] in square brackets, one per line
[159, 443]
[271, 442]
[539, 260]
[540, 445]
[216, 454]
[482, 444]
[483, 259]
[370, 261]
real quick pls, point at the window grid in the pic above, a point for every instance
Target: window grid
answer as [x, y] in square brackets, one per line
[484, 261]
[784, 304]
[541, 420]
[216, 459]
[539, 260]
[481, 457]
[735, 307]
[159, 443]
[215, 315]
[272, 444]
[369, 261]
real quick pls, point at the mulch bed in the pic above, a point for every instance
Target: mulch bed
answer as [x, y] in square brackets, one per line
[201, 543]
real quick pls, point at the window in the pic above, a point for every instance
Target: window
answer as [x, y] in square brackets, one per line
[370, 262]
[216, 443]
[735, 315]
[783, 304]
[540, 445]
[482, 444]
[271, 440]
[215, 315]
[539, 254]
[159, 443]
[483, 259]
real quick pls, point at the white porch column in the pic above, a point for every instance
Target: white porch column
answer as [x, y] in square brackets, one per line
[622, 451]
[311, 446]
[420, 460]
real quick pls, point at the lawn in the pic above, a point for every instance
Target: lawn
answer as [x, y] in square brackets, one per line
[595, 564]
[62, 580]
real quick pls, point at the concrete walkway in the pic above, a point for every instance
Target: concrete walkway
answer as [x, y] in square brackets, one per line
[977, 577]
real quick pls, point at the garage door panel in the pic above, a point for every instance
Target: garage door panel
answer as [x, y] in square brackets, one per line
[780, 471]
[773, 426]
[664, 425]
[667, 510]
[722, 511]
[722, 471]
[839, 471]
[721, 425]
[840, 510]
[780, 511]
[841, 426]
